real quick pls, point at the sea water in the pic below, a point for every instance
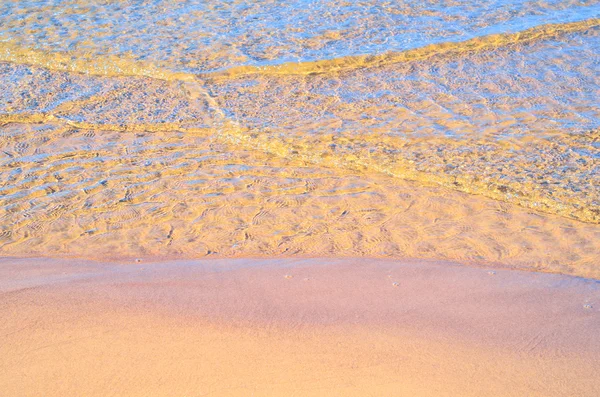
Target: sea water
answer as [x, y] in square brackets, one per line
[462, 130]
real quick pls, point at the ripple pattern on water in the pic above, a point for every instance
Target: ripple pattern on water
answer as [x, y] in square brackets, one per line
[455, 130]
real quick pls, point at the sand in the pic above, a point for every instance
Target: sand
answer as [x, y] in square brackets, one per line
[294, 327]
[197, 135]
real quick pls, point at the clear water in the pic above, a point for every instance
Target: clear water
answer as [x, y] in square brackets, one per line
[125, 125]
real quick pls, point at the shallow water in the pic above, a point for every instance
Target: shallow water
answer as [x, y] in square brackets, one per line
[200, 36]
[456, 129]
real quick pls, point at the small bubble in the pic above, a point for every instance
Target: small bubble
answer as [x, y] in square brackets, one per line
[588, 306]
[396, 284]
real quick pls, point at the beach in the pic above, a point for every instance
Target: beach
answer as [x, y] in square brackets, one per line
[295, 327]
[309, 198]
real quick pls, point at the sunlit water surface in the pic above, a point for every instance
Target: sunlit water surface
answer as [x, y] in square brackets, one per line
[461, 130]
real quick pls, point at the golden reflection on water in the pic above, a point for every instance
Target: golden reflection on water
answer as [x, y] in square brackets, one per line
[441, 150]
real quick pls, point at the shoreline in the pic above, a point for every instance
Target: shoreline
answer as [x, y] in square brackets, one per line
[140, 260]
[305, 326]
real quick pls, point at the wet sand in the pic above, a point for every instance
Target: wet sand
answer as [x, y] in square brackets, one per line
[201, 134]
[294, 327]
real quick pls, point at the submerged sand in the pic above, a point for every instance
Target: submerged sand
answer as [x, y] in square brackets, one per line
[472, 139]
[305, 327]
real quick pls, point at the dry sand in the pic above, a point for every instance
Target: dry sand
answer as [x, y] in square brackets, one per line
[303, 327]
